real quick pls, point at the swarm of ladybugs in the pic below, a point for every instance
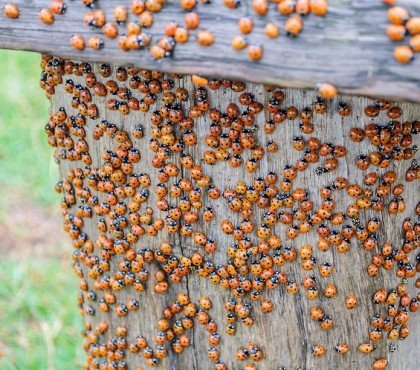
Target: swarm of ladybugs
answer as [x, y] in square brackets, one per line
[293, 26]
[402, 24]
[131, 24]
[146, 213]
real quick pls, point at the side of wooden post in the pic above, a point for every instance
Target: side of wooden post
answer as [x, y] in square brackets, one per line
[286, 335]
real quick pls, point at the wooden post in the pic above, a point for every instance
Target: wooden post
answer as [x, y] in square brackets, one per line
[286, 335]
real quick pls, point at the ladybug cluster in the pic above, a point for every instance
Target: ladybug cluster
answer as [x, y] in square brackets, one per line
[401, 24]
[131, 24]
[147, 211]
[293, 26]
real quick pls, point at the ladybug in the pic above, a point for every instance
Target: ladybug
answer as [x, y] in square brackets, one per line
[260, 6]
[330, 291]
[302, 7]
[351, 301]
[357, 134]
[393, 333]
[266, 306]
[366, 348]
[120, 13]
[205, 38]
[255, 52]
[341, 348]
[312, 293]
[316, 313]
[121, 310]
[404, 332]
[188, 4]
[318, 350]
[110, 30]
[403, 54]
[214, 339]
[396, 32]
[380, 296]
[219, 365]
[344, 109]
[255, 353]
[414, 43]
[46, 16]
[377, 321]
[291, 287]
[293, 25]
[380, 364]
[271, 30]
[241, 354]
[320, 105]
[413, 25]
[318, 7]
[286, 7]
[245, 25]
[327, 91]
[326, 269]
[299, 143]
[250, 366]
[309, 264]
[326, 323]
[11, 10]
[181, 35]
[96, 43]
[398, 15]
[375, 334]
[152, 362]
[230, 329]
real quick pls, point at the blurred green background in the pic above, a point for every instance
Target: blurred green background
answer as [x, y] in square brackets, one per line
[40, 323]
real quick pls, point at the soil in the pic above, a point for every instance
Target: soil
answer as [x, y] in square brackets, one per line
[31, 230]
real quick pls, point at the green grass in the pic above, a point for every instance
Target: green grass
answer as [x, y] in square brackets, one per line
[25, 157]
[39, 320]
[40, 323]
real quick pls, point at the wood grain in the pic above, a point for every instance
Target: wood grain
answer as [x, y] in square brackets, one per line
[347, 48]
[286, 334]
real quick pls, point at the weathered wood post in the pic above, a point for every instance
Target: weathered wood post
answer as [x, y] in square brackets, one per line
[226, 224]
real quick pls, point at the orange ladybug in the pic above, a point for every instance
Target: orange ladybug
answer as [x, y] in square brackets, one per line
[413, 26]
[96, 43]
[366, 348]
[255, 52]
[205, 38]
[351, 301]
[78, 42]
[396, 32]
[327, 91]
[403, 54]
[11, 10]
[271, 30]
[293, 25]
[341, 348]
[318, 350]
[380, 364]
[46, 16]
[318, 7]
[239, 43]
[398, 15]
[245, 25]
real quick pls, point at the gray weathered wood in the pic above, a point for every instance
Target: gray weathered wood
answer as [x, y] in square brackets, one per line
[347, 48]
[286, 334]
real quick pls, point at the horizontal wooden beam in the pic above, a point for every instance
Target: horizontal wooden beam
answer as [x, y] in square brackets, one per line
[347, 48]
